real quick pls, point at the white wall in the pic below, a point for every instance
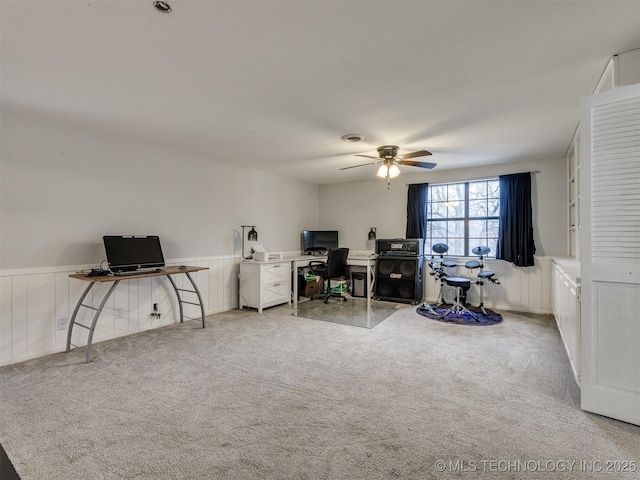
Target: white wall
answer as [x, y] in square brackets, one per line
[63, 187]
[354, 207]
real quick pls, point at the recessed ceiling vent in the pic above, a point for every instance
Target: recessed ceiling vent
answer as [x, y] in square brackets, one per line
[352, 137]
[162, 7]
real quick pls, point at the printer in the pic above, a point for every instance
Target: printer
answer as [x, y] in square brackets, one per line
[260, 254]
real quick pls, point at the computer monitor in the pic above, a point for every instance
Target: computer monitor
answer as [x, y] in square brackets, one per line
[318, 241]
[127, 253]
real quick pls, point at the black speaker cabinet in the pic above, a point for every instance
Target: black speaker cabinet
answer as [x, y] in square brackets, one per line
[399, 279]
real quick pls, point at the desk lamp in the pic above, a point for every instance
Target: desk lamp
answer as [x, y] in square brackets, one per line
[252, 236]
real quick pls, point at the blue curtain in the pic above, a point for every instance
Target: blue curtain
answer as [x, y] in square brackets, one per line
[417, 210]
[515, 233]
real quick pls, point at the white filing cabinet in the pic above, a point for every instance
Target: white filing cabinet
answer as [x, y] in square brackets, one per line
[264, 284]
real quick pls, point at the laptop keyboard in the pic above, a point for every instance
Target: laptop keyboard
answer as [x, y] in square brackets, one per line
[137, 272]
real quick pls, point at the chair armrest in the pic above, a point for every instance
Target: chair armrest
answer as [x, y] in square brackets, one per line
[317, 267]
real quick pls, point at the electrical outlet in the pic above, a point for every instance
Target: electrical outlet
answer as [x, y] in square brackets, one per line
[62, 323]
[118, 313]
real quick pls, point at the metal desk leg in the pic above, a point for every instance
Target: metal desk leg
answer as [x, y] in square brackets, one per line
[370, 282]
[95, 319]
[98, 311]
[294, 284]
[175, 287]
[195, 288]
[75, 313]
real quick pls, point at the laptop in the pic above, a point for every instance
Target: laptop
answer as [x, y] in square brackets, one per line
[133, 254]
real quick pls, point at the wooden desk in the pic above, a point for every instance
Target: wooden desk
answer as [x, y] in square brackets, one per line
[115, 279]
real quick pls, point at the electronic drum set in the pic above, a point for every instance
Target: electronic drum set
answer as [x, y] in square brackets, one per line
[440, 270]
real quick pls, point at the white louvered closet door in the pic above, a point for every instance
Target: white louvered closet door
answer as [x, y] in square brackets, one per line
[610, 257]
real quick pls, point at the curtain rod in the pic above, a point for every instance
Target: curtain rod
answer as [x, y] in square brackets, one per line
[476, 179]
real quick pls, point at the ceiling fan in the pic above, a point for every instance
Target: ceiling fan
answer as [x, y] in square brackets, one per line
[389, 160]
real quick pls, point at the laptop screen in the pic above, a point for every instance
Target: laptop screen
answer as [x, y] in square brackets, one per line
[133, 252]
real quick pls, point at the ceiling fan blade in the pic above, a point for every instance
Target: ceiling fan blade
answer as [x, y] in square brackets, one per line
[417, 164]
[363, 165]
[420, 153]
[367, 156]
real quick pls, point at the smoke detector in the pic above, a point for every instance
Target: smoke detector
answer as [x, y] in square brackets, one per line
[162, 7]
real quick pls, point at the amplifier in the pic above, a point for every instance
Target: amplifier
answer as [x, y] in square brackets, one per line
[410, 247]
[399, 278]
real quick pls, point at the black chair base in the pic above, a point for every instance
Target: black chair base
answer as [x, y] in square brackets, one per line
[327, 294]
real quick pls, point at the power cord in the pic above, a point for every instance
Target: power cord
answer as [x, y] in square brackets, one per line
[97, 271]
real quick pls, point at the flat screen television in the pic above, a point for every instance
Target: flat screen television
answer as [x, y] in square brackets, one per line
[128, 253]
[318, 241]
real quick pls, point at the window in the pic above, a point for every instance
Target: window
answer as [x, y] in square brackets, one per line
[464, 216]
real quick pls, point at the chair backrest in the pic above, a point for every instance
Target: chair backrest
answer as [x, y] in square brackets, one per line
[337, 262]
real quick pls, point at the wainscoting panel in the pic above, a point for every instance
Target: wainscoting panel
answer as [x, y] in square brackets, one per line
[6, 338]
[520, 289]
[41, 307]
[32, 300]
[61, 308]
[19, 317]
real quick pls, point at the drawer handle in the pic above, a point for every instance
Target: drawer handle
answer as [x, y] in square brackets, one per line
[277, 266]
[276, 284]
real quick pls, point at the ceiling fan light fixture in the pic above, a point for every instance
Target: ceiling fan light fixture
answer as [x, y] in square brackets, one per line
[389, 160]
[352, 137]
[382, 171]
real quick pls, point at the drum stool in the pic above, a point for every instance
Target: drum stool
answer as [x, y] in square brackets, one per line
[462, 285]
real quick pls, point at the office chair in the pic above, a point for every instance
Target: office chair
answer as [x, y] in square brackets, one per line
[334, 267]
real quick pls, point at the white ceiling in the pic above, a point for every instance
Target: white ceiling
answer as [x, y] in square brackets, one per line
[275, 84]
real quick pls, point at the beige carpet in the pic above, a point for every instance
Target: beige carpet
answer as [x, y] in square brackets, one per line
[273, 396]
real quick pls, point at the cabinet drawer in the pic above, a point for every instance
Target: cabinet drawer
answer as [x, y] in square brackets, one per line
[275, 294]
[275, 273]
